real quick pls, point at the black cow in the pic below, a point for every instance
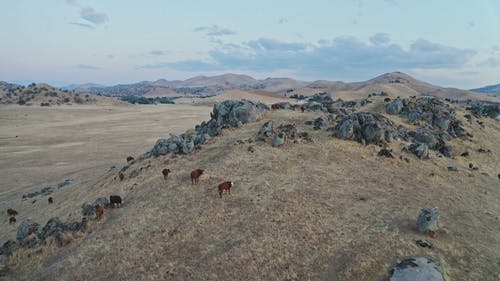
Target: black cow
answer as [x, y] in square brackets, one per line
[115, 200]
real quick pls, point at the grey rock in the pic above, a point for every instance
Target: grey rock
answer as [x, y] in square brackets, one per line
[25, 229]
[103, 201]
[61, 238]
[386, 153]
[88, 209]
[135, 173]
[8, 247]
[265, 131]
[424, 243]
[417, 269]
[289, 130]
[426, 137]
[428, 220]
[452, 168]
[446, 150]
[278, 139]
[187, 146]
[53, 226]
[161, 147]
[394, 107]
[364, 127]
[421, 150]
[322, 121]
[229, 113]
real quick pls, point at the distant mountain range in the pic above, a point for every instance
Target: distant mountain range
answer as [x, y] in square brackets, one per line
[490, 90]
[394, 84]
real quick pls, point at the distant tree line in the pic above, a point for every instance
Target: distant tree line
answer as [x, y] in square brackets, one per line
[144, 100]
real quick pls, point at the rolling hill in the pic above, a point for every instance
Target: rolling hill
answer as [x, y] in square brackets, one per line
[490, 90]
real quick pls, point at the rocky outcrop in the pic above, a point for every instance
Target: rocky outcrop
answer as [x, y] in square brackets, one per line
[48, 190]
[365, 128]
[226, 114]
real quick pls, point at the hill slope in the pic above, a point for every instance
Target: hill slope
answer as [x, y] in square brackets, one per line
[491, 89]
[323, 210]
[46, 95]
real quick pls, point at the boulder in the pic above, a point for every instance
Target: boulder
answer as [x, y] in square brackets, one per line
[103, 201]
[428, 220]
[421, 150]
[364, 127]
[394, 107]
[427, 137]
[278, 139]
[417, 269]
[230, 113]
[446, 150]
[386, 153]
[26, 228]
[289, 130]
[322, 121]
[187, 146]
[88, 209]
[265, 131]
[8, 247]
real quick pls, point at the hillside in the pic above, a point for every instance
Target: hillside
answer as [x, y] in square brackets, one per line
[490, 90]
[46, 95]
[320, 208]
[262, 96]
[394, 84]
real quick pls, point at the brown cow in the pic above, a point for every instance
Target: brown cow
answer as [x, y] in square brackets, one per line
[51, 200]
[99, 211]
[275, 106]
[12, 212]
[387, 99]
[302, 109]
[12, 220]
[121, 176]
[130, 158]
[225, 186]
[165, 173]
[195, 175]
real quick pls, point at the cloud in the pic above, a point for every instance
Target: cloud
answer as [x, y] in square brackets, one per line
[282, 20]
[380, 39]
[72, 2]
[83, 25]
[93, 16]
[341, 56]
[490, 62]
[87, 67]
[157, 53]
[110, 56]
[214, 30]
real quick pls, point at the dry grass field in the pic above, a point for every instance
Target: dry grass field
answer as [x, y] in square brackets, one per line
[323, 210]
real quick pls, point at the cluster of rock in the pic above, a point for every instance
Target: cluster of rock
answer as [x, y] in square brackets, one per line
[226, 114]
[323, 102]
[436, 118]
[31, 234]
[281, 134]
[48, 190]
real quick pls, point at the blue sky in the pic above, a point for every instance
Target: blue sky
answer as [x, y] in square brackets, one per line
[450, 43]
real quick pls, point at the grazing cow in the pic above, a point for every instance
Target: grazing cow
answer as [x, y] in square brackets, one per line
[99, 211]
[387, 99]
[165, 173]
[225, 186]
[115, 200]
[51, 200]
[275, 106]
[11, 212]
[121, 176]
[130, 158]
[195, 175]
[12, 220]
[302, 109]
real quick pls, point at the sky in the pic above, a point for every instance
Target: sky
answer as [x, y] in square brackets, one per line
[61, 42]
